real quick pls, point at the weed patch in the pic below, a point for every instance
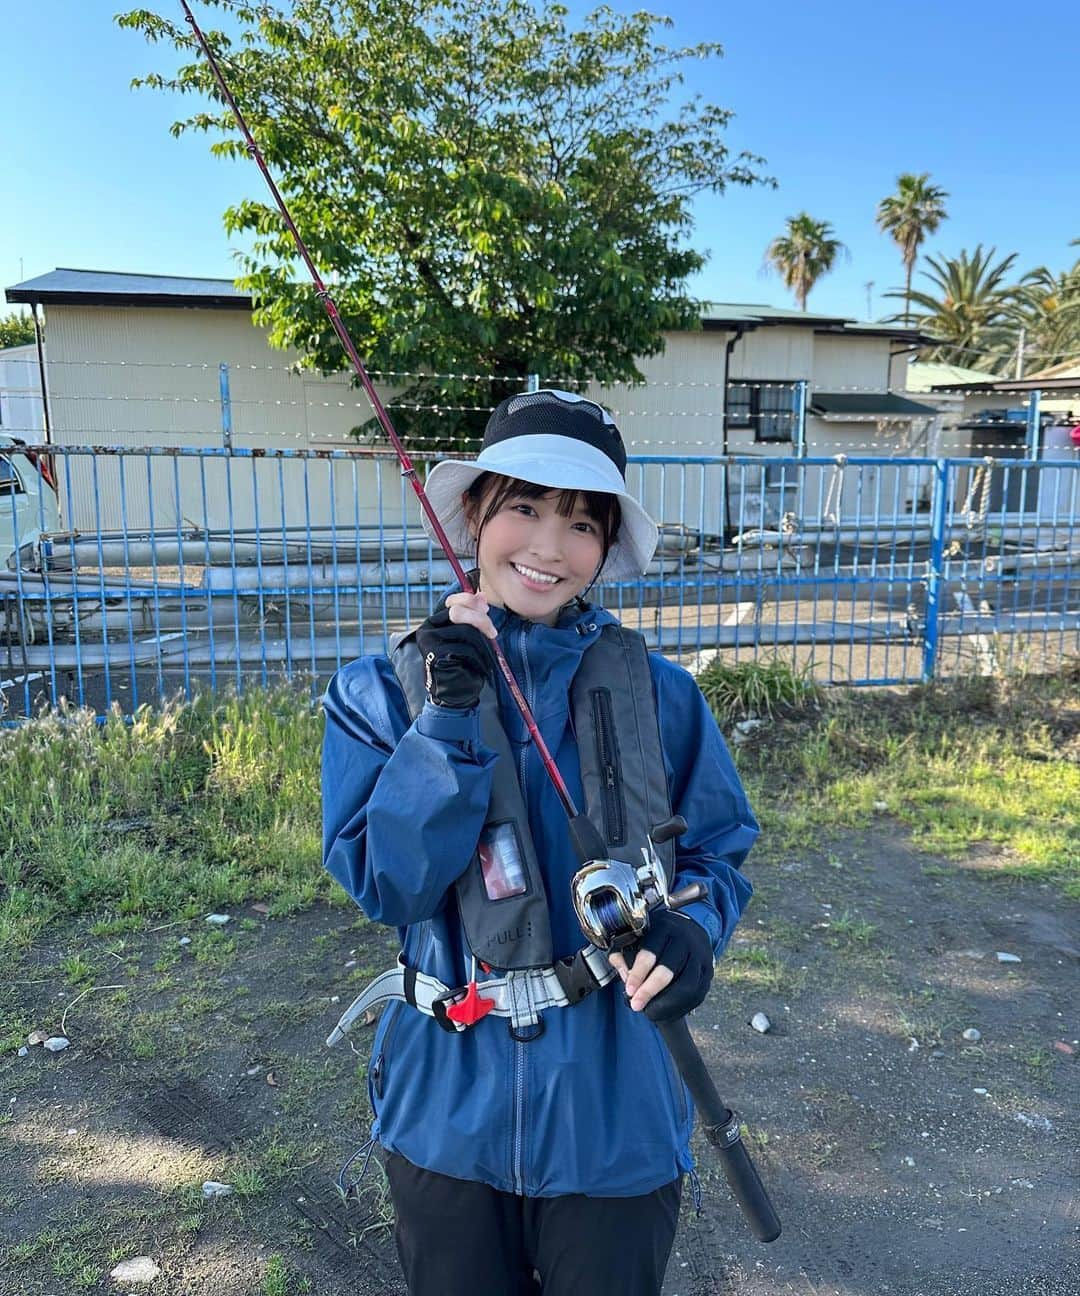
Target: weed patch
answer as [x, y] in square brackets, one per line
[735, 690]
[196, 806]
[751, 965]
[981, 762]
[848, 930]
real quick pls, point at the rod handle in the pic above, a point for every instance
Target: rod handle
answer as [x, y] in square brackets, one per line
[743, 1179]
[721, 1127]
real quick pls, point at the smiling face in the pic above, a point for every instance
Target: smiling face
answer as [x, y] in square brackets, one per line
[536, 554]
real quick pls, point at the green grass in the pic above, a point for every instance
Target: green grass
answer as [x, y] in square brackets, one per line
[278, 1280]
[215, 803]
[76, 969]
[847, 930]
[185, 809]
[756, 967]
[249, 1182]
[979, 763]
[1039, 1060]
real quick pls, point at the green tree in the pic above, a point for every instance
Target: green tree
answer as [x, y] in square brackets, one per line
[803, 253]
[915, 210]
[16, 329]
[487, 189]
[970, 305]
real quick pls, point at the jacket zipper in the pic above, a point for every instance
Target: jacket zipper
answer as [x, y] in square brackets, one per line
[519, 1047]
[604, 723]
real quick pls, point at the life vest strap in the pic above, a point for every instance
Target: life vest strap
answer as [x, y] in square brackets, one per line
[521, 996]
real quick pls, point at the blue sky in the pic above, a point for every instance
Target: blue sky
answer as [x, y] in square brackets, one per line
[839, 96]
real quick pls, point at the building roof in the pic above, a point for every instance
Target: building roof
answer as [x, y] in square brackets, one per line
[742, 313]
[70, 287]
[926, 375]
[864, 405]
[66, 286]
[736, 315]
[1016, 387]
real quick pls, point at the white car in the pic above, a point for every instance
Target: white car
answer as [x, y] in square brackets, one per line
[28, 503]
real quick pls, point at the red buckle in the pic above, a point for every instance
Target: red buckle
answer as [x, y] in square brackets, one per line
[469, 1011]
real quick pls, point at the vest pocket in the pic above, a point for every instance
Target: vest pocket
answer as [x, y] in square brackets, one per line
[607, 751]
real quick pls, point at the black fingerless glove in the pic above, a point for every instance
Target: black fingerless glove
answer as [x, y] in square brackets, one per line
[683, 947]
[457, 660]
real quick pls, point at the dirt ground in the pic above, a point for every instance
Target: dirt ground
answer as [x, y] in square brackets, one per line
[902, 1158]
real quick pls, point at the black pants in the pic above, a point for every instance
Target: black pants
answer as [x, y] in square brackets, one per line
[458, 1238]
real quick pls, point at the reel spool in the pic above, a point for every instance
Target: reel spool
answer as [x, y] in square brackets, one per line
[612, 899]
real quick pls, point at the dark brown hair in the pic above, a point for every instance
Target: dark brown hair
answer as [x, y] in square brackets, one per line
[490, 492]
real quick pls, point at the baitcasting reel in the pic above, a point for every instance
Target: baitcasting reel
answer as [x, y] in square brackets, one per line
[613, 898]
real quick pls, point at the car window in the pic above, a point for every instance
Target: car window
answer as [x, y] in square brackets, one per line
[10, 483]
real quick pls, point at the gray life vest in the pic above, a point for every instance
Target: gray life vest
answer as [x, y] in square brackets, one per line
[501, 896]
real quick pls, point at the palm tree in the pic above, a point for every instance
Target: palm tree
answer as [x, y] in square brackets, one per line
[915, 210]
[1048, 309]
[970, 307]
[805, 252]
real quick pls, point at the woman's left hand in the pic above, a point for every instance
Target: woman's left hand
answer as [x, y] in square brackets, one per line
[670, 972]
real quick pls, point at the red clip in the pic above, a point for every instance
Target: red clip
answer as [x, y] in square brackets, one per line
[470, 1009]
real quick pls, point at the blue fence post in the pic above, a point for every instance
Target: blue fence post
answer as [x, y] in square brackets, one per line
[800, 418]
[532, 383]
[939, 510]
[226, 406]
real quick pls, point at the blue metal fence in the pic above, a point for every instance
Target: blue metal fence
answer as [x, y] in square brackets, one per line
[195, 569]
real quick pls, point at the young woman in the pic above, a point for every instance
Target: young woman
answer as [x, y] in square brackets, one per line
[535, 1131]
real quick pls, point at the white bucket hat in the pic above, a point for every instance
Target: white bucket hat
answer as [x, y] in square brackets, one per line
[549, 438]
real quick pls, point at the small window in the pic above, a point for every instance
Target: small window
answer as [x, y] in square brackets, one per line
[769, 408]
[740, 413]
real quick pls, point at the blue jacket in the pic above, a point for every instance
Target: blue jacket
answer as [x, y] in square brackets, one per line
[594, 1105]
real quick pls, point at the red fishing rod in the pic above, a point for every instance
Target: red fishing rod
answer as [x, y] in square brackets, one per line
[720, 1123]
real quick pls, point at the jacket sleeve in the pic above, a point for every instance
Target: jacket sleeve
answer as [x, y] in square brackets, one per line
[706, 791]
[403, 803]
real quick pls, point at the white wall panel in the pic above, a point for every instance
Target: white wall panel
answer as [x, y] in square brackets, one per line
[844, 362]
[777, 354]
[131, 376]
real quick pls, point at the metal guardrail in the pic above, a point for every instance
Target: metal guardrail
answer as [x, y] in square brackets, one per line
[215, 567]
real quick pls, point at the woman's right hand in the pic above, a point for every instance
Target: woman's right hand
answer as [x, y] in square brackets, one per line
[453, 642]
[471, 609]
